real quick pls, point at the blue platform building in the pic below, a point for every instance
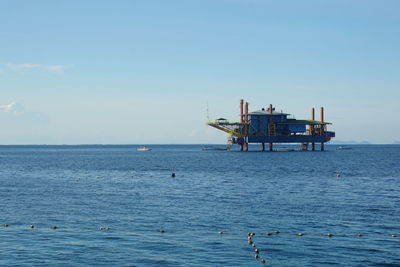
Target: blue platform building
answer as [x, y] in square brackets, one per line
[267, 126]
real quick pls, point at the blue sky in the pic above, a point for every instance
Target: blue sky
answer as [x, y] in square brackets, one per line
[110, 72]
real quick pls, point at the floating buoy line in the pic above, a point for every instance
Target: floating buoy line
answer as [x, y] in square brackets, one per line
[250, 235]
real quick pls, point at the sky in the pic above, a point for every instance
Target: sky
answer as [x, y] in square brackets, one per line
[145, 71]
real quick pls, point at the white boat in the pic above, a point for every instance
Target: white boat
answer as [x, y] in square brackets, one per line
[143, 149]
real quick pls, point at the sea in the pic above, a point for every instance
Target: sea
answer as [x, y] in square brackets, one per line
[111, 205]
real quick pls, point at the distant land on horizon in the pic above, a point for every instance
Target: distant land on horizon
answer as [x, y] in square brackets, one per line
[340, 142]
[351, 142]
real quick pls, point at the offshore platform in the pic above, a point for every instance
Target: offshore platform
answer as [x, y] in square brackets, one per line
[267, 126]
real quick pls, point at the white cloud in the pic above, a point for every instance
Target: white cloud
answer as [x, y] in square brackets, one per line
[13, 108]
[17, 115]
[58, 69]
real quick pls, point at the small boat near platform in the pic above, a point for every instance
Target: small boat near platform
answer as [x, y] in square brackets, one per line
[143, 149]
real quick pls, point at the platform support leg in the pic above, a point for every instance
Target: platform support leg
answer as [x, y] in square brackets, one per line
[240, 147]
[313, 146]
[263, 147]
[246, 146]
[322, 147]
[270, 147]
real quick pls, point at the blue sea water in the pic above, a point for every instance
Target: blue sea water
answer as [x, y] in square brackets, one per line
[81, 189]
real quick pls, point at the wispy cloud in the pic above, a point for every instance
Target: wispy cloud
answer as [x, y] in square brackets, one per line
[19, 67]
[57, 69]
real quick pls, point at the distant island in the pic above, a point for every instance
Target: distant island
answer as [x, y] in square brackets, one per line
[352, 142]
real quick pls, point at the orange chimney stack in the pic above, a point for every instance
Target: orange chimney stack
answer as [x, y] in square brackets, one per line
[241, 110]
[322, 114]
[246, 112]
